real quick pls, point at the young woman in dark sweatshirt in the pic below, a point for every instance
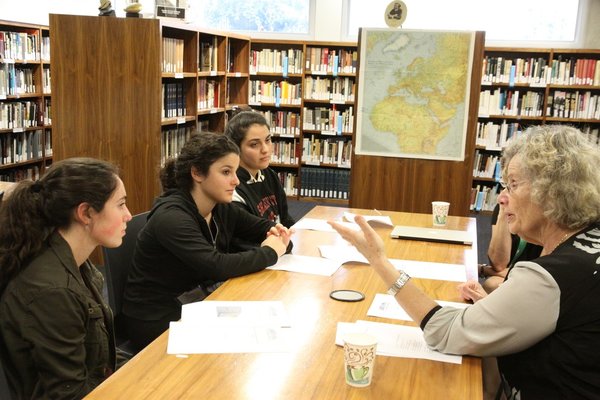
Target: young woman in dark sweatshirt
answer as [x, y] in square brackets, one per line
[185, 249]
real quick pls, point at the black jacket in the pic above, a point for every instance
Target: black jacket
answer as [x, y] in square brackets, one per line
[175, 253]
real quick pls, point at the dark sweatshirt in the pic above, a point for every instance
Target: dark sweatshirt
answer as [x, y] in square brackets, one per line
[176, 252]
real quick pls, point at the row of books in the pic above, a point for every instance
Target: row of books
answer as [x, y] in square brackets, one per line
[276, 61]
[511, 102]
[208, 56]
[487, 165]
[274, 92]
[285, 152]
[284, 123]
[317, 150]
[332, 61]
[173, 140]
[46, 81]
[172, 50]
[494, 136]
[16, 80]
[498, 69]
[21, 146]
[19, 114]
[31, 173]
[326, 119]
[336, 89]
[538, 71]
[20, 46]
[484, 198]
[326, 183]
[575, 71]
[289, 181]
[47, 114]
[173, 104]
[45, 48]
[208, 94]
[580, 105]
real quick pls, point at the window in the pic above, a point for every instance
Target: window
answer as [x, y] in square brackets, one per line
[512, 21]
[291, 17]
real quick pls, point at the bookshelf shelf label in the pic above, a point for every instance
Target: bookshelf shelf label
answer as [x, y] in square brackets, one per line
[213, 73]
[213, 111]
[238, 74]
[179, 75]
[2, 97]
[180, 120]
[18, 130]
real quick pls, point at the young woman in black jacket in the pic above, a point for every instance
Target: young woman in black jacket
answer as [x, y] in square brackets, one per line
[184, 251]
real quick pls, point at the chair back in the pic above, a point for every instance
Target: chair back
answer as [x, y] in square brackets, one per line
[117, 262]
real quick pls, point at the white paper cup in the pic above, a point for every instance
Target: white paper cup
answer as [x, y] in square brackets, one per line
[359, 358]
[440, 212]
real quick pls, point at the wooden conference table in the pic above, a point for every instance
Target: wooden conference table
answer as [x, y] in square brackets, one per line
[314, 370]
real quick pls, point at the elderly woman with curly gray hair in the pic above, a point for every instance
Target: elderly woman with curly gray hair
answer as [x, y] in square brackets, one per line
[543, 322]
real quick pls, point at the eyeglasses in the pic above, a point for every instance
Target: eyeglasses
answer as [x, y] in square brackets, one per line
[510, 187]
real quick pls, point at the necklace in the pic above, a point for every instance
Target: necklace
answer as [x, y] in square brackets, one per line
[562, 240]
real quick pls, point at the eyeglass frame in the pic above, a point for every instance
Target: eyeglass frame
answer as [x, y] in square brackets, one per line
[510, 187]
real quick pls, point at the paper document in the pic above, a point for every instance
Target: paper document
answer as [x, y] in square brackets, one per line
[382, 219]
[416, 269]
[395, 340]
[231, 327]
[385, 306]
[200, 338]
[306, 265]
[235, 313]
[321, 225]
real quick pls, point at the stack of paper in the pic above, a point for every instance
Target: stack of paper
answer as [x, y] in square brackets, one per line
[230, 327]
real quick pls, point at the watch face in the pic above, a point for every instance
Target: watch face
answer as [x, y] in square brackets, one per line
[395, 14]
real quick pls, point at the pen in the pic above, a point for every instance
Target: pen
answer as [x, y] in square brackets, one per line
[377, 211]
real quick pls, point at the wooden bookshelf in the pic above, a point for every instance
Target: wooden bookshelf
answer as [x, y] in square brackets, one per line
[25, 99]
[522, 87]
[128, 90]
[282, 86]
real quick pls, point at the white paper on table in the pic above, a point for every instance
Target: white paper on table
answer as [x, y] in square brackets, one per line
[321, 225]
[395, 340]
[382, 219]
[432, 270]
[342, 254]
[201, 338]
[238, 313]
[386, 306]
[306, 264]
[416, 269]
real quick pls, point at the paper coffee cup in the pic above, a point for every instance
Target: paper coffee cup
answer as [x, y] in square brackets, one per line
[440, 212]
[359, 358]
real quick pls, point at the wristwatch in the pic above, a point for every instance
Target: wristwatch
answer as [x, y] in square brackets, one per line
[400, 282]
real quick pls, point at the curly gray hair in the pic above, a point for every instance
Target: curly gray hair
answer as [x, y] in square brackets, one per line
[562, 167]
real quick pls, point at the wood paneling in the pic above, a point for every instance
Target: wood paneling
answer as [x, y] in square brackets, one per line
[404, 184]
[106, 94]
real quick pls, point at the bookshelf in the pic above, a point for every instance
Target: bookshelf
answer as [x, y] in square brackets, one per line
[25, 101]
[524, 87]
[132, 90]
[306, 92]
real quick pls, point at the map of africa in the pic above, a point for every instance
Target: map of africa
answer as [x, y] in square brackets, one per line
[413, 93]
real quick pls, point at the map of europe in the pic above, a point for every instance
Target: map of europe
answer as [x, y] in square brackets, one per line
[413, 93]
